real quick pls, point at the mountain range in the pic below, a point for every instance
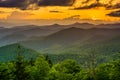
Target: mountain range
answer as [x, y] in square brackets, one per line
[33, 31]
[64, 41]
[71, 36]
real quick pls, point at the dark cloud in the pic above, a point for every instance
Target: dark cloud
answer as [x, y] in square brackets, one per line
[56, 2]
[115, 14]
[55, 11]
[114, 7]
[85, 1]
[24, 4]
[97, 3]
[34, 4]
[89, 6]
[86, 4]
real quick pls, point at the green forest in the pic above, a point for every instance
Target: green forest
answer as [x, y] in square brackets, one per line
[43, 68]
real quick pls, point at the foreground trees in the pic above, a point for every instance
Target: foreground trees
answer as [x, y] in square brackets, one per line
[65, 70]
[40, 69]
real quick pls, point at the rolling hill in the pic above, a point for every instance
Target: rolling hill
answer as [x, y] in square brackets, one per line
[60, 43]
[72, 36]
[8, 34]
[79, 43]
[11, 39]
[9, 52]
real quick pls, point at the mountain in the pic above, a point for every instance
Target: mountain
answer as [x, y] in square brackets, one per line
[1, 27]
[5, 23]
[105, 51]
[9, 31]
[19, 33]
[10, 39]
[38, 31]
[115, 25]
[50, 35]
[88, 25]
[71, 36]
[10, 52]
[74, 41]
[81, 25]
[35, 32]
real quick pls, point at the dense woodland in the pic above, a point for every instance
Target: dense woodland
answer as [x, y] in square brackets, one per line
[42, 68]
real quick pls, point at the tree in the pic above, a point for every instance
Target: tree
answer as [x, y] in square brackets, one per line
[104, 71]
[49, 61]
[20, 72]
[6, 71]
[116, 70]
[40, 70]
[69, 66]
[91, 62]
[65, 70]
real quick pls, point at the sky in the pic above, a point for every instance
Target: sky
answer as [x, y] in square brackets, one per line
[64, 11]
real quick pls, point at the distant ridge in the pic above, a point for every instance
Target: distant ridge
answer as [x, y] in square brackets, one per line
[1, 27]
[73, 32]
[56, 24]
[76, 24]
[72, 35]
[77, 38]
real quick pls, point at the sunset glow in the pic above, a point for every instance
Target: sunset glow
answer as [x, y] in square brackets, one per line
[35, 12]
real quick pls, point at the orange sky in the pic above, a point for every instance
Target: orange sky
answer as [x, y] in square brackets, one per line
[57, 12]
[61, 12]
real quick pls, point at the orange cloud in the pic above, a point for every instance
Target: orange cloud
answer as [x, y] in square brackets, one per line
[16, 15]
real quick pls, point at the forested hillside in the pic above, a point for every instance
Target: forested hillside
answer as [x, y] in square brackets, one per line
[20, 63]
[9, 52]
[42, 68]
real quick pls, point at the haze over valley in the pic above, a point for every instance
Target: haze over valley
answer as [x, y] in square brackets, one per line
[74, 39]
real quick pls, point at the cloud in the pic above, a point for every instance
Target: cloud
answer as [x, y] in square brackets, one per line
[16, 15]
[1, 12]
[55, 11]
[21, 4]
[56, 2]
[115, 14]
[31, 4]
[13, 3]
[87, 4]
[74, 17]
[77, 4]
[114, 7]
